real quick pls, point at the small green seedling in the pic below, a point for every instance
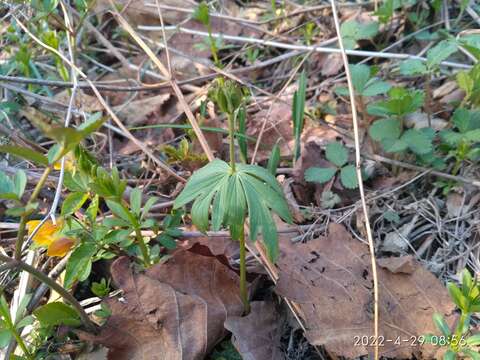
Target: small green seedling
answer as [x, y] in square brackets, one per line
[228, 194]
[435, 56]
[463, 142]
[102, 288]
[337, 154]
[469, 81]
[390, 132]
[202, 14]
[298, 114]
[365, 84]
[459, 343]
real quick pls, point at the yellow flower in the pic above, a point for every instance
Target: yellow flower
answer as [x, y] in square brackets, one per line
[69, 163]
[49, 235]
[46, 234]
[60, 247]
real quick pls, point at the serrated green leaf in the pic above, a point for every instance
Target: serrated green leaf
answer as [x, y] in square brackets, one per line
[461, 119]
[417, 141]
[394, 146]
[342, 91]
[449, 355]
[57, 313]
[413, 67]
[348, 177]
[385, 129]
[336, 153]
[440, 52]
[376, 87]
[320, 175]
[25, 153]
[329, 199]
[472, 136]
[360, 74]
[73, 202]
[465, 82]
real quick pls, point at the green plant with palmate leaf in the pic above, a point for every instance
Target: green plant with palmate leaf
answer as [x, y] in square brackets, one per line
[459, 343]
[226, 194]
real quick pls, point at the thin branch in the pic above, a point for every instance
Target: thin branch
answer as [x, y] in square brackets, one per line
[358, 165]
[280, 45]
[54, 286]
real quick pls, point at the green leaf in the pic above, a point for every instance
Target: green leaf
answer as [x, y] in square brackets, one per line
[298, 112]
[57, 313]
[461, 119]
[385, 129]
[329, 199]
[352, 31]
[119, 210]
[320, 175]
[79, 264]
[440, 52]
[73, 202]
[465, 82]
[202, 181]
[240, 118]
[449, 355]
[5, 337]
[7, 187]
[474, 355]
[472, 136]
[413, 67]
[136, 201]
[348, 177]
[457, 296]
[441, 324]
[274, 159]
[473, 340]
[417, 141]
[25, 153]
[20, 181]
[376, 87]
[336, 153]
[394, 146]
[360, 74]
[148, 205]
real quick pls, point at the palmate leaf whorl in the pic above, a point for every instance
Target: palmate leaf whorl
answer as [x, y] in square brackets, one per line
[231, 197]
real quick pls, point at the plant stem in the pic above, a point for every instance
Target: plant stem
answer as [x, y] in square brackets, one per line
[143, 246]
[459, 329]
[23, 219]
[54, 286]
[138, 235]
[428, 98]
[21, 343]
[243, 273]
[231, 130]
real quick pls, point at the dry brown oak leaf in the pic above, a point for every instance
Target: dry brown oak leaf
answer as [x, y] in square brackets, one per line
[257, 335]
[175, 311]
[329, 279]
